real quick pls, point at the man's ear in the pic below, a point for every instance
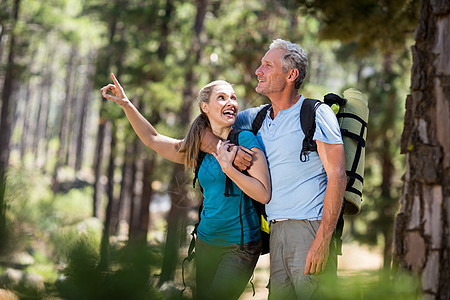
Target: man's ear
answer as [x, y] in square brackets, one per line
[293, 74]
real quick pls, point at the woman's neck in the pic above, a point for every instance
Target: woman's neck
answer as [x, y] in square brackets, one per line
[221, 132]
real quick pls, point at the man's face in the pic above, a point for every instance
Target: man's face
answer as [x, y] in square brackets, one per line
[271, 78]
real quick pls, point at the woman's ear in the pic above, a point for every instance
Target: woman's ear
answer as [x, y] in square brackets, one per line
[204, 107]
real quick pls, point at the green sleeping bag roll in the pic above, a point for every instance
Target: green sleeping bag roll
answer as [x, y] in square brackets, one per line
[352, 118]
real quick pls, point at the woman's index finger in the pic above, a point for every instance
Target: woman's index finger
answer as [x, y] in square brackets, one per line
[116, 82]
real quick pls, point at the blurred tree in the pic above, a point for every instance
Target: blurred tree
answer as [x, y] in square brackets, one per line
[176, 230]
[422, 226]
[10, 76]
[111, 16]
[82, 115]
[65, 116]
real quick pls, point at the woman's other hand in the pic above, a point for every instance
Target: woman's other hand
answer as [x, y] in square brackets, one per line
[225, 154]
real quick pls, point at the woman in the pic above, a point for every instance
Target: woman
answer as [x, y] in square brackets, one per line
[223, 267]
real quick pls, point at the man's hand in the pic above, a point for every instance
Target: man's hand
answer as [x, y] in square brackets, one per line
[317, 257]
[243, 158]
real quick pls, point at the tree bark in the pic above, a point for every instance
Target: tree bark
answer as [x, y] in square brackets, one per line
[6, 120]
[422, 240]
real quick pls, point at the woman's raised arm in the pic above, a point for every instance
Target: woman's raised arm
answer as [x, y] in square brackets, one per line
[163, 145]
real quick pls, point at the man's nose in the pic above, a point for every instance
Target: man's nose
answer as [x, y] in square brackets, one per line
[258, 71]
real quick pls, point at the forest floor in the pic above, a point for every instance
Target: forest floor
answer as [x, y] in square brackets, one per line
[356, 259]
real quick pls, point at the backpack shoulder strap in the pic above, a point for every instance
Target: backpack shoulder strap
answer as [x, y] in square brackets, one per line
[308, 124]
[259, 119]
[200, 157]
[233, 137]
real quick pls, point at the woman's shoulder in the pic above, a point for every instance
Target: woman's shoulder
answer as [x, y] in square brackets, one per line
[248, 139]
[246, 134]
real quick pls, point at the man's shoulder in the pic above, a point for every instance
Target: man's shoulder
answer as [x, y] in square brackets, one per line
[245, 118]
[253, 110]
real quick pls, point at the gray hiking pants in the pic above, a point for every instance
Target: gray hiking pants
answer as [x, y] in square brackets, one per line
[289, 245]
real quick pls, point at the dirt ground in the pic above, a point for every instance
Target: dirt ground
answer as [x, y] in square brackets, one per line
[355, 258]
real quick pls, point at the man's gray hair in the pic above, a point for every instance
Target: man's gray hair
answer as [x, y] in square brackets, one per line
[294, 58]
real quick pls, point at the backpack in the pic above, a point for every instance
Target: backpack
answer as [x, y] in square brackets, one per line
[352, 113]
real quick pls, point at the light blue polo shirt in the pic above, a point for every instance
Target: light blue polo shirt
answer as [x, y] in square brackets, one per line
[298, 188]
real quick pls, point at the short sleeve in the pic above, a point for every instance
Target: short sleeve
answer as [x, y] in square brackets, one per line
[327, 126]
[249, 140]
[245, 118]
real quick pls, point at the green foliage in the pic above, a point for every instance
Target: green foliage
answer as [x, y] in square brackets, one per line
[23, 194]
[371, 285]
[365, 22]
[130, 278]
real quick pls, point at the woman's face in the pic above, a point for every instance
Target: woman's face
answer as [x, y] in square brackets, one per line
[222, 108]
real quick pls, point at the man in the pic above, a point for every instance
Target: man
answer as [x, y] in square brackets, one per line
[306, 196]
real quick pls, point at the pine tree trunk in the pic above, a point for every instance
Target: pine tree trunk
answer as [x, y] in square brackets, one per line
[422, 240]
[98, 155]
[176, 223]
[40, 128]
[64, 121]
[139, 230]
[178, 187]
[135, 198]
[25, 120]
[83, 115]
[386, 157]
[126, 185]
[6, 121]
[104, 248]
[74, 118]
[46, 121]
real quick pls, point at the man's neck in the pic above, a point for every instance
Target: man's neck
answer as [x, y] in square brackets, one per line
[283, 101]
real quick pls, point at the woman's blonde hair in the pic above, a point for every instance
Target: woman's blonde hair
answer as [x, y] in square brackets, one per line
[192, 141]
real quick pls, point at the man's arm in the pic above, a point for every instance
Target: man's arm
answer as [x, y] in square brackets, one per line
[243, 158]
[333, 160]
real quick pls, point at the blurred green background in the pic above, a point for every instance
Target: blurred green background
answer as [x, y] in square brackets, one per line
[87, 212]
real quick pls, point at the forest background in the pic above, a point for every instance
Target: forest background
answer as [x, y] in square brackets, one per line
[85, 205]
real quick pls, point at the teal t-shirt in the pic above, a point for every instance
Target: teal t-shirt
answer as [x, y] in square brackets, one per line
[220, 224]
